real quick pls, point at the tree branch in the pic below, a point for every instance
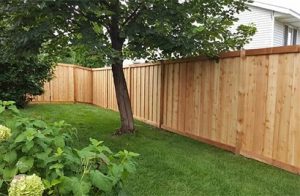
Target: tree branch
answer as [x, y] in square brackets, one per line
[106, 3]
[96, 19]
[133, 15]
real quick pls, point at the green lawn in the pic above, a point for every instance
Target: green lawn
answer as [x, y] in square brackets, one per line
[170, 164]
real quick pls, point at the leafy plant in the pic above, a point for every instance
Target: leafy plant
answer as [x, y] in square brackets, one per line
[22, 79]
[10, 105]
[36, 147]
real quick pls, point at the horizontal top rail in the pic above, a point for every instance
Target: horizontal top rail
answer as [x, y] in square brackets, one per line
[273, 50]
[231, 54]
[73, 65]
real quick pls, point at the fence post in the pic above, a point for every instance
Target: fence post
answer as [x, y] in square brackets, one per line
[129, 82]
[106, 87]
[241, 102]
[162, 94]
[50, 89]
[130, 89]
[75, 83]
[92, 85]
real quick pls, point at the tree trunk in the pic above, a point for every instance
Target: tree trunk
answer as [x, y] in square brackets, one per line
[124, 105]
[122, 95]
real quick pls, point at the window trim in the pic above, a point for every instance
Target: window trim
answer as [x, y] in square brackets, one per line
[290, 35]
[295, 36]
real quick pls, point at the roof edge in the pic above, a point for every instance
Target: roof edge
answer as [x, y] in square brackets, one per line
[276, 8]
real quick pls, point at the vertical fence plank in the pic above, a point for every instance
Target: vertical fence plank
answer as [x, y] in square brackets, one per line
[241, 103]
[182, 96]
[163, 84]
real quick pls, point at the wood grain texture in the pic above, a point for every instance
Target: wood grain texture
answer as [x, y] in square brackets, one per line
[246, 101]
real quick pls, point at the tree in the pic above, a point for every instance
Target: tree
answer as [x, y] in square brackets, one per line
[21, 76]
[22, 79]
[83, 56]
[120, 29]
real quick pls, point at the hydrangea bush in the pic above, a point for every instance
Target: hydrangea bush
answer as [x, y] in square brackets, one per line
[23, 185]
[5, 133]
[31, 148]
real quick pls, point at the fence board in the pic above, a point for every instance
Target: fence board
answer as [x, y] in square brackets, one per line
[248, 103]
[84, 85]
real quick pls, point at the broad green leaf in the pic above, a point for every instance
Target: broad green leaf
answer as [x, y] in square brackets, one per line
[9, 173]
[41, 136]
[104, 158]
[74, 185]
[101, 181]
[42, 156]
[14, 109]
[86, 153]
[8, 103]
[21, 138]
[39, 124]
[95, 142]
[45, 157]
[47, 184]
[59, 141]
[10, 157]
[59, 152]
[117, 171]
[25, 164]
[2, 109]
[130, 167]
[71, 157]
[56, 166]
[104, 149]
[26, 135]
[66, 186]
[30, 134]
[133, 154]
[28, 146]
[81, 188]
[55, 182]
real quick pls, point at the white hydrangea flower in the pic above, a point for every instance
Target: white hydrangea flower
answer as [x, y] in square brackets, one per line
[23, 185]
[5, 133]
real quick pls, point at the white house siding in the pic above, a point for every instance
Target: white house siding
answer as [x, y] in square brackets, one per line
[263, 20]
[278, 37]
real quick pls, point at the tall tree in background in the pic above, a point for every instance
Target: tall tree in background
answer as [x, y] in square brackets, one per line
[120, 29]
[83, 56]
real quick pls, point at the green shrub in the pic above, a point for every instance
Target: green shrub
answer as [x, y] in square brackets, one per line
[34, 147]
[22, 79]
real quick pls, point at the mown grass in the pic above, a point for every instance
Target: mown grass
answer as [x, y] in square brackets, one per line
[170, 164]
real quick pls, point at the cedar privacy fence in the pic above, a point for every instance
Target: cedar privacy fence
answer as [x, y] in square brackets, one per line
[248, 102]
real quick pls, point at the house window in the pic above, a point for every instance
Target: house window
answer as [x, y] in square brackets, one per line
[295, 33]
[290, 36]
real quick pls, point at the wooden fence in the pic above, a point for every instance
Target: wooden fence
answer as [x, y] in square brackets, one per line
[248, 102]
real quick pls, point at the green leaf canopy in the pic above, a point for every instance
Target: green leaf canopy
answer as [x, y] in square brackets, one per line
[148, 29]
